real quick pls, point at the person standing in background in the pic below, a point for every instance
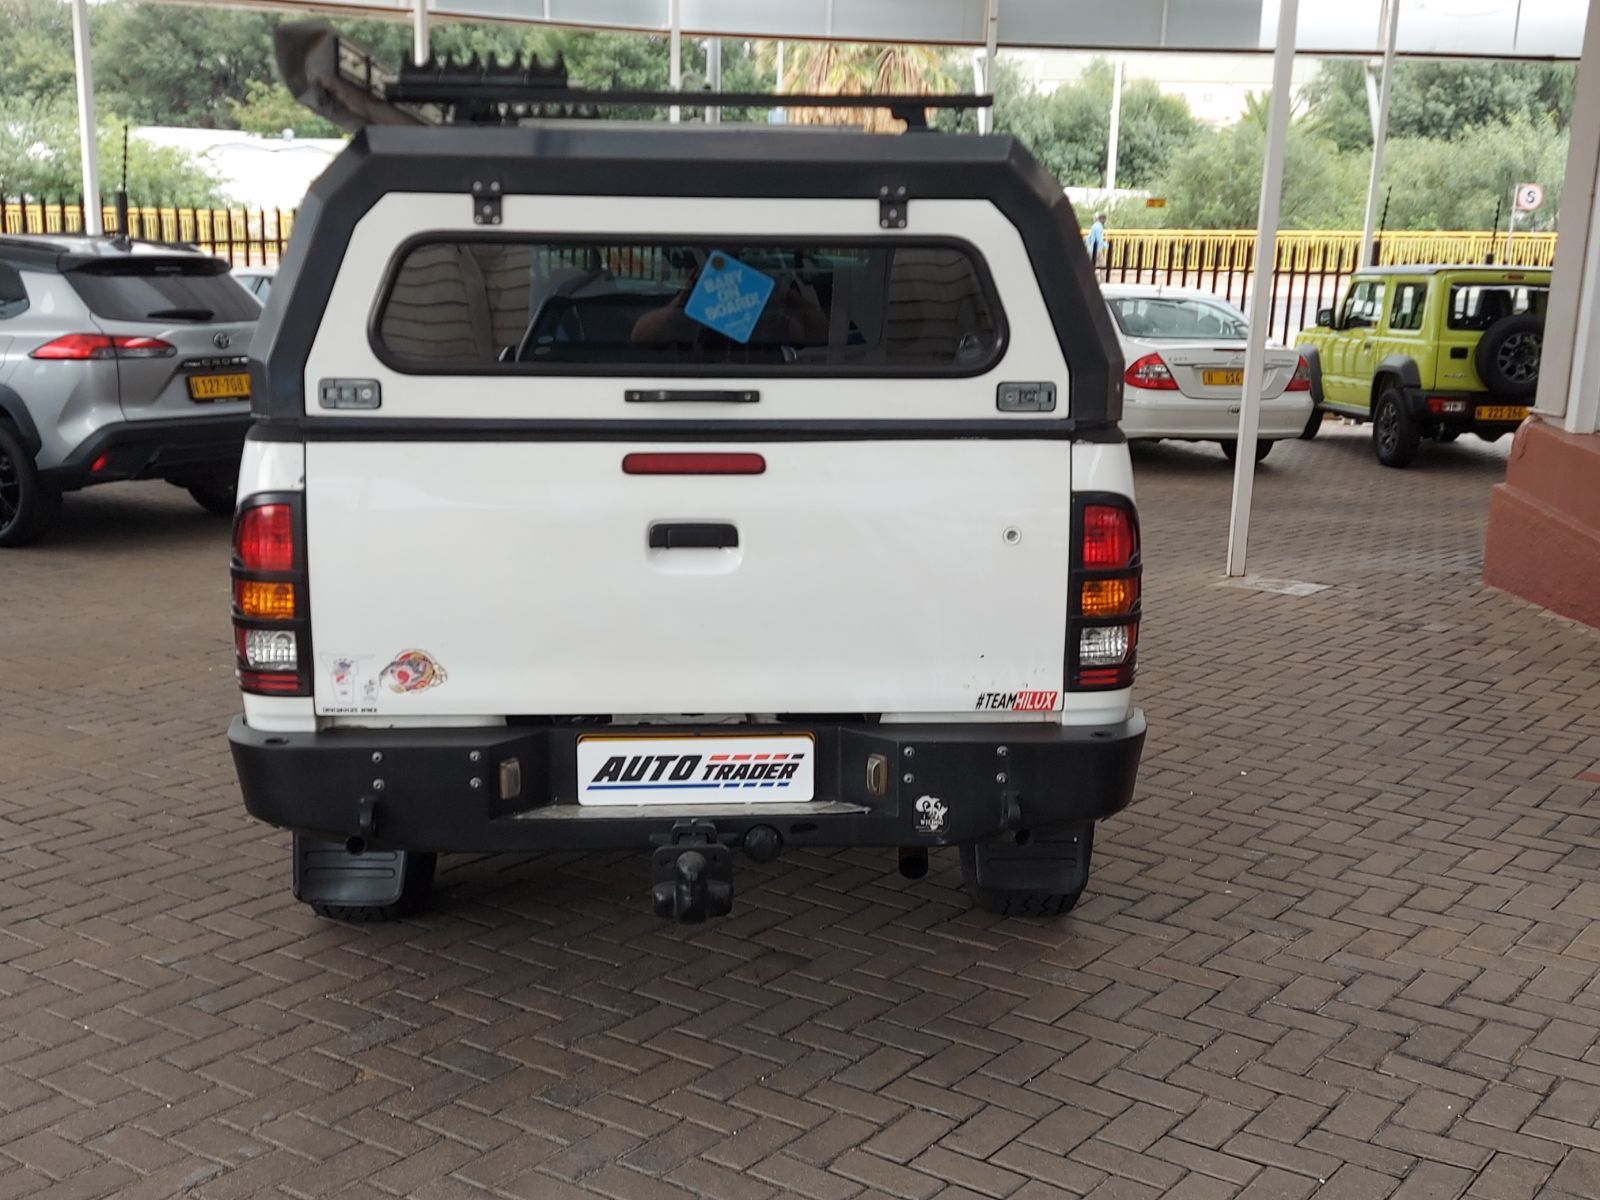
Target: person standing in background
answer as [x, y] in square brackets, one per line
[1095, 243]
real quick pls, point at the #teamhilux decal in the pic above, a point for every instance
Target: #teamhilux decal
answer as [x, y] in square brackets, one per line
[1019, 701]
[694, 770]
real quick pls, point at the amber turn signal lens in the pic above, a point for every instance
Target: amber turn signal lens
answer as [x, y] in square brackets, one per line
[1109, 597]
[274, 601]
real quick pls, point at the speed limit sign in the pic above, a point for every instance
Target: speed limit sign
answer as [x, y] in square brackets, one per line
[1529, 196]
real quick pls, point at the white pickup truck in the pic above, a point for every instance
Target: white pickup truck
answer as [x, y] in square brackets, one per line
[688, 490]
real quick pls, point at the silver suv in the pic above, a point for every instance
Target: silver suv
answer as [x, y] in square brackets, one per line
[118, 361]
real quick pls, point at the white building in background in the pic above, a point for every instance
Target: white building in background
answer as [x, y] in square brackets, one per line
[1215, 85]
[251, 170]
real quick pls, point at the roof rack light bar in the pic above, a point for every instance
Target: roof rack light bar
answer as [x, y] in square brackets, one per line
[475, 89]
[338, 80]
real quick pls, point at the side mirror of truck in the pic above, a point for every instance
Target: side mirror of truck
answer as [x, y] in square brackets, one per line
[1325, 318]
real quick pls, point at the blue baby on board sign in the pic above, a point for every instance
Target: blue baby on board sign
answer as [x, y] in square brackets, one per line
[729, 297]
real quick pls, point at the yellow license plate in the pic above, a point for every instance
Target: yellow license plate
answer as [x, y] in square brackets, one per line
[1222, 378]
[1501, 412]
[219, 387]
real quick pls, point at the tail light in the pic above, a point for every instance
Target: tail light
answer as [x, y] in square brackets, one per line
[1300, 381]
[1152, 373]
[271, 615]
[79, 347]
[1103, 626]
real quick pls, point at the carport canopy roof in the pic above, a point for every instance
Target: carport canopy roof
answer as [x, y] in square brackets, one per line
[1535, 29]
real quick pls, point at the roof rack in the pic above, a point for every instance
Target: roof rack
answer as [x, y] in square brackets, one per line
[342, 82]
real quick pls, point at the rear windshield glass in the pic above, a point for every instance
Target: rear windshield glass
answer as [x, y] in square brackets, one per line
[1479, 305]
[163, 290]
[525, 304]
[1175, 317]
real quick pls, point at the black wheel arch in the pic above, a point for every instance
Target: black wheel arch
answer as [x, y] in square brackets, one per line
[12, 409]
[1403, 367]
[1313, 358]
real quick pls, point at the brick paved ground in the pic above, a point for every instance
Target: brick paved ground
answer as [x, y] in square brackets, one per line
[1342, 945]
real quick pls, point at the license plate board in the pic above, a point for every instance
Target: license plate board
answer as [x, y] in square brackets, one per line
[232, 386]
[1229, 378]
[736, 769]
[1501, 412]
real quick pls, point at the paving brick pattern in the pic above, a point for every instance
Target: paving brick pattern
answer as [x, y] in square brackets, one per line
[1342, 945]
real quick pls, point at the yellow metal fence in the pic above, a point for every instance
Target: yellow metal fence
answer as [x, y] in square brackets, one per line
[243, 236]
[1333, 250]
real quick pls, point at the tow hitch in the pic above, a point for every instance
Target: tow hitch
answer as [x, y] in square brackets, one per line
[692, 875]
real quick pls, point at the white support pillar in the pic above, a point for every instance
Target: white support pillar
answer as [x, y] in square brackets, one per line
[419, 32]
[1116, 129]
[1380, 127]
[88, 148]
[675, 54]
[713, 77]
[984, 76]
[1261, 297]
[1569, 365]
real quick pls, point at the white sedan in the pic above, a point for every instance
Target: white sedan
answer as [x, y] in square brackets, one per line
[1185, 370]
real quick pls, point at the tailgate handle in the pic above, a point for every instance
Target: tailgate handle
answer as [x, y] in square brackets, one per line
[680, 536]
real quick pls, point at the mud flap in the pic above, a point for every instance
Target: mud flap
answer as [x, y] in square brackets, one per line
[327, 873]
[1056, 867]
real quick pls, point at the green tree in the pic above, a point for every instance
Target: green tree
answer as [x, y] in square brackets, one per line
[39, 157]
[162, 65]
[1439, 99]
[1215, 183]
[1463, 182]
[269, 109]
[35, 50]
[1068, 129]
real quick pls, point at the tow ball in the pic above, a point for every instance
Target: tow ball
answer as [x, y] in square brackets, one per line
[691, 876]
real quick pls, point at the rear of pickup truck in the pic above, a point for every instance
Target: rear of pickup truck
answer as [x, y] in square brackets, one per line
[687, 505]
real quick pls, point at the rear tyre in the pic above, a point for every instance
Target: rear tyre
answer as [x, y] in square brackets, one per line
[1061, 867]
[28, 506]
[216, 495]
[1230, 448]
[1395, 436]
[1313, 425]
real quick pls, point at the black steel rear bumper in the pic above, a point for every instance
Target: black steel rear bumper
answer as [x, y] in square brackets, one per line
[513, 788]
[176, 448]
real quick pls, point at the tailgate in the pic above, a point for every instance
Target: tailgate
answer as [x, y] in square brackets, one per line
[186, 324]
[518, 577]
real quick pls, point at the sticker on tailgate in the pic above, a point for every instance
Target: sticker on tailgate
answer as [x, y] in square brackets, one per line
[695, 770]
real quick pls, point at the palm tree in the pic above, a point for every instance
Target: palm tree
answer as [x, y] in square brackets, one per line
[1257, 106]
[853, 69]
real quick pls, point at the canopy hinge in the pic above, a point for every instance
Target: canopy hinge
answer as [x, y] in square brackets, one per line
[486, 201]
[893, 200]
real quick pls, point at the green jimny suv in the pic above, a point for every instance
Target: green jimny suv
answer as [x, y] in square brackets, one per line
[1429, 352]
